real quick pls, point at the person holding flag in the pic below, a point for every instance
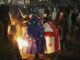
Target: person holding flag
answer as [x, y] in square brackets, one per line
[51, 36]
[36, 33]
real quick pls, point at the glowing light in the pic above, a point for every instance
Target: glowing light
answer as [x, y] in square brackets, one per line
[40, 0]
[61, 13]
[45, 15]
[30, 16]
[21, 43]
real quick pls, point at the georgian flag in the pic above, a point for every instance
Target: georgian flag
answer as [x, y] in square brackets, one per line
[52, 38]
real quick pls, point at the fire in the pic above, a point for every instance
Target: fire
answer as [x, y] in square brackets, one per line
[22, 43]
[17, 30]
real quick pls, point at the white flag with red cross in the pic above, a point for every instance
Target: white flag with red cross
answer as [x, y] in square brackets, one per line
[52, 38]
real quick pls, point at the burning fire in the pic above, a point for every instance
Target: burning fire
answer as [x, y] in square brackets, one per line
[20, 29]
[22, 43]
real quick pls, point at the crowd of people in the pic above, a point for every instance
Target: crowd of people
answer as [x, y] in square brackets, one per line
[55, 34]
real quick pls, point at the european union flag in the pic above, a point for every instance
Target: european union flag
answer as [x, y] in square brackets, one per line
[35, 30]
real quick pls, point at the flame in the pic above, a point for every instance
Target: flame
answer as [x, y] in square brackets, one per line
[21, 43]
[20, 29]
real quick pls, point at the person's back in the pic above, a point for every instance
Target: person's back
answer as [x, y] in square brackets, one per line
[7, 51]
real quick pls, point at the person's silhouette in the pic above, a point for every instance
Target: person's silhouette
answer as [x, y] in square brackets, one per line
[7, 51]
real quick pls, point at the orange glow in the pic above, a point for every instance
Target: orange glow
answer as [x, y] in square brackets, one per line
[20, 29]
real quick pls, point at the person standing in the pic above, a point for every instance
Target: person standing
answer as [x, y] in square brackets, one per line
[52, 38]
[7, 50]
[36, 32]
